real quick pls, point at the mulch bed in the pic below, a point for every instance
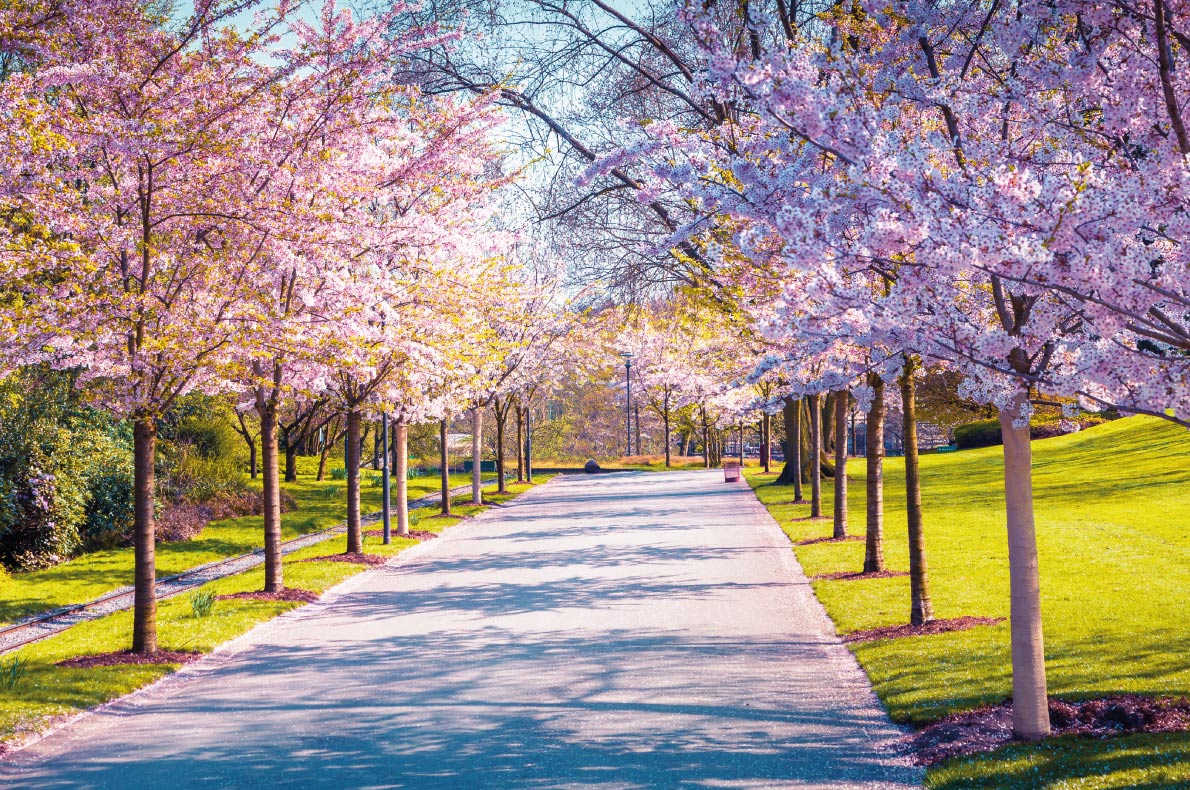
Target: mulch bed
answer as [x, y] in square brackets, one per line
[932, 627]
[990, 727]
[416, 534]
[288, 594]
[354, 557]
[848, 575]
[812, 541]
[126, 657]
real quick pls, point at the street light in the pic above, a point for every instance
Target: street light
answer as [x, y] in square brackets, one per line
[627, 355]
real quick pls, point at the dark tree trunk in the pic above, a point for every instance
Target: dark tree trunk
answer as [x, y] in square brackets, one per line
[501, 417]
[266, 407]
[252, 472]
[791, 415]
[355, 536]
[815, 456]
[520, 444]
[841, 404]
[874, 547]
[291, 454]
[444, 458]
[144, 616]
[706, 442]
[665, 419]
[921, 607]
[766, 439]
[636, 407]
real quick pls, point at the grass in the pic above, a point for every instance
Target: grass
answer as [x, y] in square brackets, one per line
[46, 691]
[94, 574]
[1113, 516]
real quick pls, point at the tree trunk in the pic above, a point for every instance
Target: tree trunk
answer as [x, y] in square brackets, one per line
[380, 456]
[326, 449]
[444, 458]
[636, 416]
[501, 416]
[841, 406]
[1030, 705]
[921, 607]
[291, 453]
[706, 441]
[528, 445]
[144, 616]
[665, 419]
[355, 536]
[252, 460]
[401, 473]
[874, 548]
[266, 407]
[476, 455]
[766, 440]
[520, 444]
[815, 456]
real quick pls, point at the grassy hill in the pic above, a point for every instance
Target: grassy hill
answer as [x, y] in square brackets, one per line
[1113, 520]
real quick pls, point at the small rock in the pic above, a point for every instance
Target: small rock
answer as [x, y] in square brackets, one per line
[590, 467]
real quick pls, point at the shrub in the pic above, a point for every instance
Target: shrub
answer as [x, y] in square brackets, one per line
[986, 433]
[209, 437]
[182, 520]
[109, 511]
[982, 433]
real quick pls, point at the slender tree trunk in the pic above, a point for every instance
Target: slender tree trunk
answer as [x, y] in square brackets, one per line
[252, 470]
[528, 444]
[266, 407]
[326, 449]
[816, 456]
[665, 419]
[921, 606]
[401, 473]
[501, 417]
[380, 456]
[476, 455]
[1030, 704]
[706, 441]
[444, 458]
[355, 536]
[144, 616]
[520, 444]
[841, 405]
[796, 444]
[766, 442]
[874, 547]
[636, 415]
[291, 453]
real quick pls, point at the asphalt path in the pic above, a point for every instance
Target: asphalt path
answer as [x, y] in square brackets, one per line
[618, 631]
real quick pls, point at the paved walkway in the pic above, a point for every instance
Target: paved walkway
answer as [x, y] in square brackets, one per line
[626, 631]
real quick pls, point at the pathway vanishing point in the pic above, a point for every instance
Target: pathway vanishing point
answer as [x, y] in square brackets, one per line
[622, 631]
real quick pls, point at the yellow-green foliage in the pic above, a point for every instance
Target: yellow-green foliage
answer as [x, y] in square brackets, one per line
[1113, 521]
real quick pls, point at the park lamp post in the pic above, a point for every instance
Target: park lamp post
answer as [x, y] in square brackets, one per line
[627, 355]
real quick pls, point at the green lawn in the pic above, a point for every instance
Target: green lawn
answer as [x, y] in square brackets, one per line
[47, 691]
[1113, 515]
[319, 505]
